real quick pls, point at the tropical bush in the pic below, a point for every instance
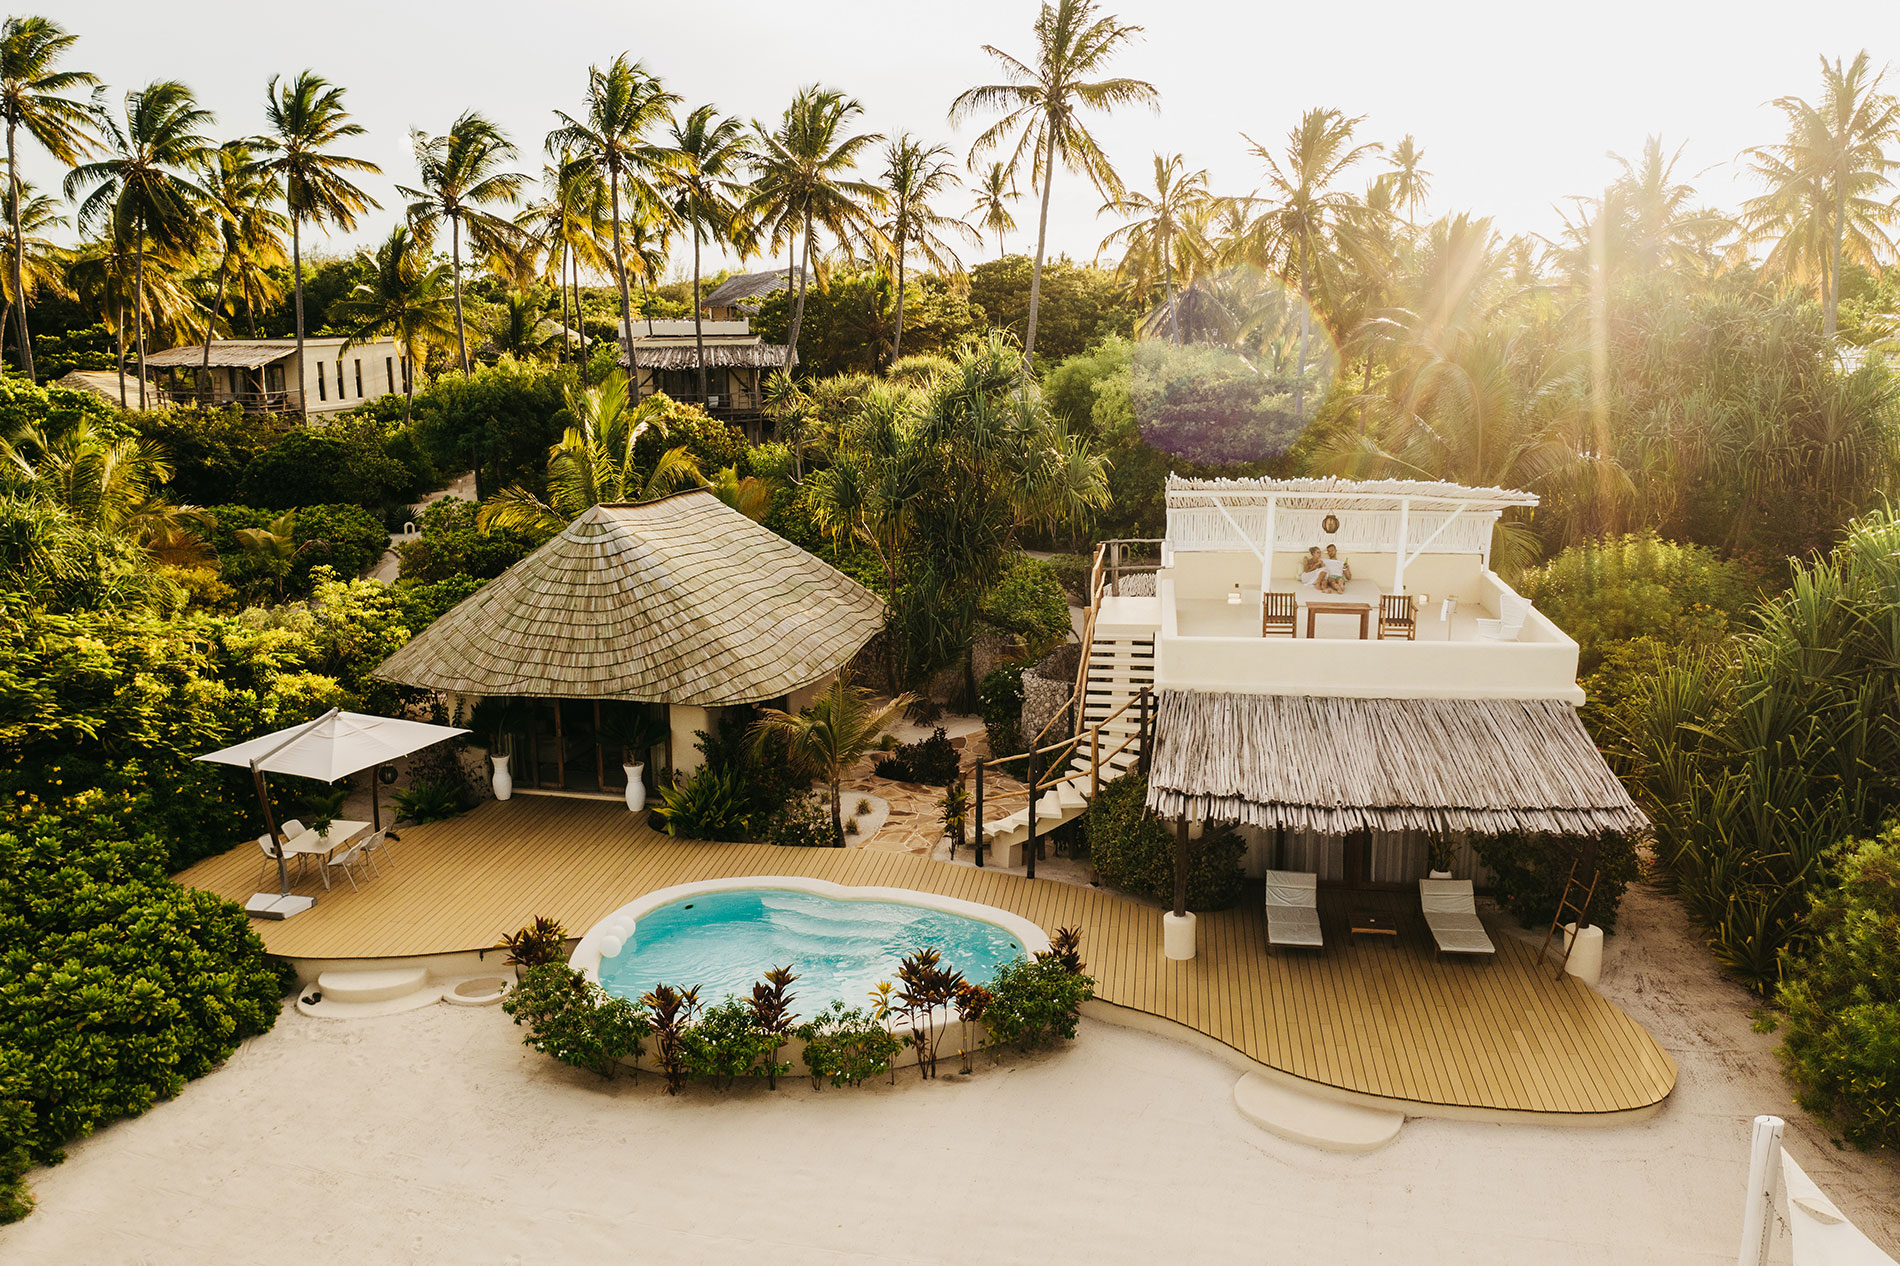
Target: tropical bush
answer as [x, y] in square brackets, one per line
[1528, 873]
[1210, 405]
[575, 1021]
[1000, 703]
[1028, 599]
[120, 985]
[1133, 850]
[209, 449]
[354, 461]
[727, 1042]
[804, 821]
[933, 761]
[1842, 995]
[846, 1046]
[1035, 1003]
[707, 804]
[448, 546]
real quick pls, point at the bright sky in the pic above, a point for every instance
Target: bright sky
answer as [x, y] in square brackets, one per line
[1516, 110]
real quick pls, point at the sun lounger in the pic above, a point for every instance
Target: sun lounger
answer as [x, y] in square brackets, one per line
[1292, 909]
[1452, 914]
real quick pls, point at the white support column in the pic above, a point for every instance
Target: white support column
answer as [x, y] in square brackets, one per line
[1405, 525]
[1266, 556]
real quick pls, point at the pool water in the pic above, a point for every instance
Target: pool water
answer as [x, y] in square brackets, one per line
[725, 941]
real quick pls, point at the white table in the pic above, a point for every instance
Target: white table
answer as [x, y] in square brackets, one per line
[321, 844]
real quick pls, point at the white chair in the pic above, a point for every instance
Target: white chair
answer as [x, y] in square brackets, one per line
[1513, 610]
[1293, 909]
[351, 856]
[1451, 911]
[270, 858]
[291, 828]
[376, 843]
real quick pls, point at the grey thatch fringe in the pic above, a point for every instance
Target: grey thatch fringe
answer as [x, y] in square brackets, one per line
[1337, 765]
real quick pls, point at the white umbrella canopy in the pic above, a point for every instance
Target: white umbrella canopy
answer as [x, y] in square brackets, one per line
[333, 746]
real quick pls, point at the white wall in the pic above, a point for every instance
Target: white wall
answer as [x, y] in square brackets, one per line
[379, 361]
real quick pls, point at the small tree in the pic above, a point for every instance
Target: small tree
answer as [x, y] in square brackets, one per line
[772, 1009]
[829, 737]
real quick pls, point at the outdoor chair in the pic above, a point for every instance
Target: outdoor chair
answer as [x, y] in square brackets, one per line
[1452, 914]
[351, 856]
[1513, 610]
[270, 858]
[1279, 615]
[1398, 617]
[1293, 909]
[379, 843]
[291, 828]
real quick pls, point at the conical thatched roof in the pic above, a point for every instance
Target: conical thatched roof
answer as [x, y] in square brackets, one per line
[682, 600]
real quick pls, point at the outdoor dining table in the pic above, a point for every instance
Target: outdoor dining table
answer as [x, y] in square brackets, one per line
[320, 844]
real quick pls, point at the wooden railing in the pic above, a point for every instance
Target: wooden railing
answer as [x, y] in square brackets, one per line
[1058, 753]
[1105, 572]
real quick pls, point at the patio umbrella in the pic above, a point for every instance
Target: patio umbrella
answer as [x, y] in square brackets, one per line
[335, 745]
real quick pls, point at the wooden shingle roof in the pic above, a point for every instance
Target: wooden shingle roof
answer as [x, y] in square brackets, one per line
[681, 600]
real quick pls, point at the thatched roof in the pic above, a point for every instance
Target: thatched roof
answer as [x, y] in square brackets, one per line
[746, 289]
[104, 383]
[225, 354]
[1336, 765]
[749, 355]
[681, 600]
[1332, 493]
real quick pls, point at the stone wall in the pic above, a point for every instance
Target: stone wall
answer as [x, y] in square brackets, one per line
[1047, 686]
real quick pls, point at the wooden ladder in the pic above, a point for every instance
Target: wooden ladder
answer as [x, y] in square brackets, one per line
[1569, 904]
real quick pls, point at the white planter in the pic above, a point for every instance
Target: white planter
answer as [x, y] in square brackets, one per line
[1440, 874]
[636, 786]
[1177, 935]
[503, 781]
[1586, 956]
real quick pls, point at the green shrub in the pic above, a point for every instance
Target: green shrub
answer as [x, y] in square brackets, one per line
[803, 822]
[448, 545]
[1133, 850]
[423, 604]
[346, 461]
[1842, 996]
[1035, 1003]
[1528, 874]
[1209, 404]
[846, 1046]
[120, 986]
[1000, 701]
[726, 1043]
[1028, 599]
[209, 449]
[354, 539]
[575, 1021]
[431, 800]
[706, 805]
[933, 762]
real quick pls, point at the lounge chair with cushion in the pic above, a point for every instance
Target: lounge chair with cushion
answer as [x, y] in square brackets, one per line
[1513, 610]
[1452, 914]
[1293, 909]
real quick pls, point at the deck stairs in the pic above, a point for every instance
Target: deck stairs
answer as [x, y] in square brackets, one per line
[1120, 667]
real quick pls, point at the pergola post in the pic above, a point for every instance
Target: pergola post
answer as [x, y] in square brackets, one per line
[1266, 556]
[1405, 524]
[1177, 925]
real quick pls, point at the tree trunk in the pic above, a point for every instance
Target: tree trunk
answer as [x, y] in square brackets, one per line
[211, 327]
[699, 333]
[837, 812]
[1174, 312]
[798, 305]
[19, 258]
[1035, 275]
[1834, 272]
[455, 266]
[567, 329]
[1306, 321]
[409, 378]
[897, 339]
[118, 333]
[296, 273]
[138, 309]
[620, 263]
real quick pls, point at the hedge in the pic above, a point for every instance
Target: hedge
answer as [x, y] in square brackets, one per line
[1133, 850]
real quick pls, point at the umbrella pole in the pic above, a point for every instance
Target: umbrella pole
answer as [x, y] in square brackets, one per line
[270, 825]
[375, 799]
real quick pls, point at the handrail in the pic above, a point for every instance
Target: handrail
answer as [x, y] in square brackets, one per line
[1131, 701]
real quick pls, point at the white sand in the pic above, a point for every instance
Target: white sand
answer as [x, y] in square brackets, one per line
[434, 1137]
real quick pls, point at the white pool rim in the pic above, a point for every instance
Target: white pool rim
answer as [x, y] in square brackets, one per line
[586, 956]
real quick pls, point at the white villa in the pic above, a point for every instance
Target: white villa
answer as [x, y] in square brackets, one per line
[265, 375]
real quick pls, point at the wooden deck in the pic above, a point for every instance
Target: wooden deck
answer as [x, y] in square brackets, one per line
[1382, 1017]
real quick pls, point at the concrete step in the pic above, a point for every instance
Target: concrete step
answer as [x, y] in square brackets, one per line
[372, 986]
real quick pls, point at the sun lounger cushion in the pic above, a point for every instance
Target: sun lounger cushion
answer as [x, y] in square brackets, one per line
[1451, 911]
[1292, 909]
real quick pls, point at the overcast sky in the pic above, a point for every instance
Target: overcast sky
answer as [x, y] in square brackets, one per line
[1517, 105]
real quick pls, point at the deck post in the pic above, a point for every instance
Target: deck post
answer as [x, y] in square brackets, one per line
[1030, 845]
[1180, 866]
[1266, 556]
[1405, 524]
[978, 842]
[1141, 753]
[1095, 760]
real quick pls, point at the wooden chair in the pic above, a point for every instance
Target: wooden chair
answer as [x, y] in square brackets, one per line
[1279, 615]
[1397, 617]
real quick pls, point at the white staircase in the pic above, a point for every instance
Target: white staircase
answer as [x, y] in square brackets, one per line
[1120, 666]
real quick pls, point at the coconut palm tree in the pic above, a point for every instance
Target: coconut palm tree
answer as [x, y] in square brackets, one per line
[37, 96]
[1827, 199]
[460, 176]
[994, 192]
[1042, 104]
[306, 117]
[802, 183]
[1164, 231]
[703, 191]
[274, 551]
[143, 188]
[828, 738]
[39, 263]
[914, 174]
[249, 228]
[1410, 183]
[623, 104]
[1306, 215]
[407, 299]
[569, 222]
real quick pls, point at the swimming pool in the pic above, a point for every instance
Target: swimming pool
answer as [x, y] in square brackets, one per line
[723, 936]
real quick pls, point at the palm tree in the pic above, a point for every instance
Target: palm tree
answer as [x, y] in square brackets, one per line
[249, 227]
[914, 174]
[709, 153]
[407, 300]
[1410, 183]
[595, 463]
[1827, 198]
[1042, 104]
[828, 738]
[624, 102]
[459, 178]
[274, 550]
[568, 224]
[802, 183]
[142, 189]
[1306, 216]
[1165, 228]
[994, 192]
[306, 118]
[38, 262]
[34, 96]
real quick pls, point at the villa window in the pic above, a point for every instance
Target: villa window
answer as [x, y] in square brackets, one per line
[340, 393]
[357, 365]
[389, 373]
[322, 389]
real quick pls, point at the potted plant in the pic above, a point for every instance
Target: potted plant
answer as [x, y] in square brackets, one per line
[1441, 857]
[322, 805]
[636, 730]
[496, 719]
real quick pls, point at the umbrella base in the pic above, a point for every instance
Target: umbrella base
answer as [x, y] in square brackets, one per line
[272, 905]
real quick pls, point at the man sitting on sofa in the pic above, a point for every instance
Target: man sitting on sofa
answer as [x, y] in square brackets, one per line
[1337, 572]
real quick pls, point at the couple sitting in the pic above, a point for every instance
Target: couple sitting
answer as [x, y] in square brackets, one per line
[1327, 573]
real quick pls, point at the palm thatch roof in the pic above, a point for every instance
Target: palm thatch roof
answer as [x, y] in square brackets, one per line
[225, 354]
[723, 355]
[681, 600]
[744, 290]
[1336, 765]
[1333, 493]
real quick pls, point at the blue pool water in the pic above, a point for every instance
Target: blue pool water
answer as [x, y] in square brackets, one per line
[724, 941]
